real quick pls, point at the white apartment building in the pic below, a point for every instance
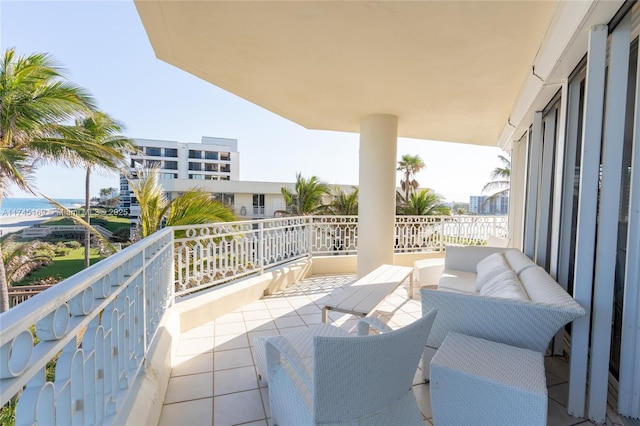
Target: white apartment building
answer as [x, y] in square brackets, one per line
[478, 204]
[213, 166]
[213, 159]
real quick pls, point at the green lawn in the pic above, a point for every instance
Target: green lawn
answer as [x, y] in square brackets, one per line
[112, 223]
[63, 266]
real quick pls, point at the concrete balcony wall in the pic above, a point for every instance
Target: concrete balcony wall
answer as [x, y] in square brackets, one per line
[204, 306]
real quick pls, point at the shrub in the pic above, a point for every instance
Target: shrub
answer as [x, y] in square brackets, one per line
[72, 244]
[122, 234]
[62, 251]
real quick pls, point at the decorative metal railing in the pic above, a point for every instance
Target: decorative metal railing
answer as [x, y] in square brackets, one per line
[18, 294]
[73, 352]
[208, 255]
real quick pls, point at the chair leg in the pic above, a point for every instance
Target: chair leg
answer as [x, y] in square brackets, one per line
[325, 314]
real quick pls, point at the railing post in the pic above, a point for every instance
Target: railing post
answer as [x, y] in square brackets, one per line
[310, 234]
[261, 246]
[442, 233]
[493, 229]
[145, 318]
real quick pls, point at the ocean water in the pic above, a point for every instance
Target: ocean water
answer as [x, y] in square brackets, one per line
[17, 206]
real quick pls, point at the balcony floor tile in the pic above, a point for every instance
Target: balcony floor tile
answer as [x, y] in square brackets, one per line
[231, 341]
[196, 413]
[195, 346]
[238, 408]
[193, 364]
[234, 358]
[218, 384]
[186, 388]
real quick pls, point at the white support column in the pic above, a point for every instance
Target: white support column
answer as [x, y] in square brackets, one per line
[612, 147]
[377, 191]
[533, 181]
[629, 381]
[587, 208]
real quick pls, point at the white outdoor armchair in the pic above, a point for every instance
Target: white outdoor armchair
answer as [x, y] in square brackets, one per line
[354, 380]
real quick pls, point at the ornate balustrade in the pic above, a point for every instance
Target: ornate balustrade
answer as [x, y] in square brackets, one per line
[73, 352]
[207, 255]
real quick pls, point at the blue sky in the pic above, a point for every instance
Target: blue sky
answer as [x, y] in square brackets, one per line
[104, 48]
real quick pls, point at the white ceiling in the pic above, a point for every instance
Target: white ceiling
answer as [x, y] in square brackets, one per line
[450, 70]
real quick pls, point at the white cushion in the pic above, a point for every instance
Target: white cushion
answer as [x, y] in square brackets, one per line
[489, 267]
[457, 282]
[505, 285]
[518, 261]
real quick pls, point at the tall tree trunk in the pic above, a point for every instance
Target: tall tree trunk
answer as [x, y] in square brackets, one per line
[87, 218]
[4, 285]
[406, 187]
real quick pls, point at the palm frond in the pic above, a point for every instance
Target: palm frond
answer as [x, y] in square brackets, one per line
[78, 220]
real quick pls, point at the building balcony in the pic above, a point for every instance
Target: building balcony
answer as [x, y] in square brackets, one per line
[161, 332]
[214, 379]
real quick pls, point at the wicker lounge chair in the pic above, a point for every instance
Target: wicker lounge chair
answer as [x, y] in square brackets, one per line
[355, 380]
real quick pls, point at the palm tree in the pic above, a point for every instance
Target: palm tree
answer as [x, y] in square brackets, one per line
[308, 197]
[192, 207]
[21, 258]
[35, 102]
[343, 203]
[425, 203]
[101, 129]
[501, 180]
[409, 165]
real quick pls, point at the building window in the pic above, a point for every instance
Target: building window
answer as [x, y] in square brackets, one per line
[152, 151]
[153, 163]
[210, 177]
[171, 165]
[195, 177]
[168, 176]
[226, 199]
[208, 167]
[170, 152]
[195, 154]
[209, 155]
[195, 166]
[258, 204]
[225, 156]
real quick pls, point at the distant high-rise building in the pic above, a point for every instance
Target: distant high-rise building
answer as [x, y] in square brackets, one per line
[214, 159]
[480, 204]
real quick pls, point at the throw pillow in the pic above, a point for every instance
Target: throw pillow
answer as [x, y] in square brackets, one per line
[489, 267]
[505, 285]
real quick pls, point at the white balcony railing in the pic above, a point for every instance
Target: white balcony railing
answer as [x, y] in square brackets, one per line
[72, 354]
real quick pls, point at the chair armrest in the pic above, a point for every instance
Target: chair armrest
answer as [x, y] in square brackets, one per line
[278, 347]
[524, 324]
[375, 323]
